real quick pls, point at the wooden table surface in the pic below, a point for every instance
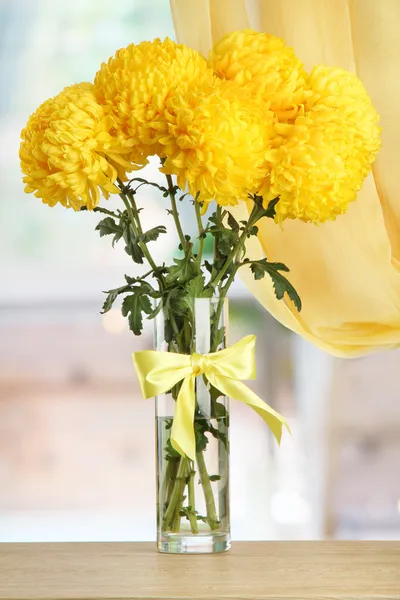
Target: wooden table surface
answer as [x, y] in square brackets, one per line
[290, 570]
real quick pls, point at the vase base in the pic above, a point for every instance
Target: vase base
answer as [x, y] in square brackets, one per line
[176, 543]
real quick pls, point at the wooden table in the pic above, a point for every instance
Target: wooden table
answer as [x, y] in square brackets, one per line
[290, 570]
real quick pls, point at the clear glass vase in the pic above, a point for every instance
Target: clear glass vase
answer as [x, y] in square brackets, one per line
[193, 496]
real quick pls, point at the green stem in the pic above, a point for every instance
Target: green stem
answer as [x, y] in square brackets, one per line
[192, 500]
[229, 282]
[215, 253]
[201, 232]
[137, 229]
[253, 218]
[181, 347]
[175, 212]
[145, 275]
[176, 524]
[135, 212]
[145, 182]
[208, 493]
[188, 336]
[140, 230]
[224, 291]
[165, 484]
[230, 259]
[137, 233]
[177, 494]
[221, 302]
[170, 483]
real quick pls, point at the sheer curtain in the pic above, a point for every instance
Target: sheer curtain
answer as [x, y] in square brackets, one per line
[346, 272]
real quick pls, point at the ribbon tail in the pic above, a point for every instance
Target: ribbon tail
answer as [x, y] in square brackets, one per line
[182, 433]
[239, 391]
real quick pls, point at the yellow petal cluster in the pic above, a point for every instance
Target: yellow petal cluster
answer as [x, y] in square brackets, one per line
[306, 173]
[265, 66]
[136, 85]
[317, 164]
[341, 106]
[216, 142]
[67, 153]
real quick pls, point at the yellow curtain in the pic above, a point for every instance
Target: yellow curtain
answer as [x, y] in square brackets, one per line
[346, 272]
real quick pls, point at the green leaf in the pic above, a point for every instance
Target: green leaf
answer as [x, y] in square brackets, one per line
[226, 238]
[112, 295]
[215, 393]
[181, 301]
[170, 452]
[200, 436]
[187, 245]
[226, 243]
[218, 264]
[196, 288]
[132, 280]
[108, 226]
[168, 332]
[144, 285]
[218, 337]
[183, 270]
[152, 234]
[216, 219]
[281, 285]
[177, 302]
[215, 477]
[133, 307]
[132, 245]
[259, 268]
[208, 266]
[268, 212]
[156, 310]
[220, 410]
[217, 433]
[253, 230]
[109, 301]
[233, 224]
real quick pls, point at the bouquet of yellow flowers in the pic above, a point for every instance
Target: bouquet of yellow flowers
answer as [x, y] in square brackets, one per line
[248, 124]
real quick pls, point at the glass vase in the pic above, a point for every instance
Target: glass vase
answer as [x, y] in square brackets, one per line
[193, 496]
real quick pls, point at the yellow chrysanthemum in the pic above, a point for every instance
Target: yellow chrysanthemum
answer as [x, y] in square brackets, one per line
[306, 173]
[216, 143]
[318, 164]
[67, 153]
[136, 85]
[341, 106]
[268, 69]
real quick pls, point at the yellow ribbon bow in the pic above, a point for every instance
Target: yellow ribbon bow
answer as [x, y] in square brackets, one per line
[158, 372]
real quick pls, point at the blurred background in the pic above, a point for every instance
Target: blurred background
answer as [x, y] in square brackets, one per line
[76, 438]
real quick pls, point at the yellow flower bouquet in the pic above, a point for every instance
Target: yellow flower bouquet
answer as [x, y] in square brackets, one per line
[248, 124]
